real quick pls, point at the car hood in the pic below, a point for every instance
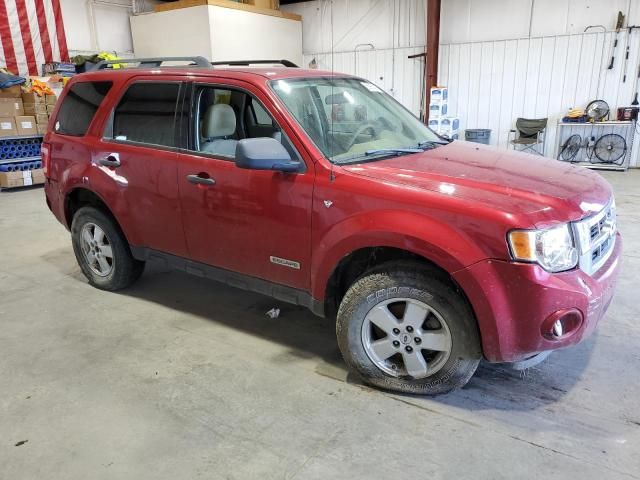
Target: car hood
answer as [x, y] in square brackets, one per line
[510, 181]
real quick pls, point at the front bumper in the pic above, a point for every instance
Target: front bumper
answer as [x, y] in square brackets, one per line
[511, 302]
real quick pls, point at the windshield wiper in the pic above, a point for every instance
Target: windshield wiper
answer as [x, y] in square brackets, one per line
[392, 151]
[431, 144]
[384, 152]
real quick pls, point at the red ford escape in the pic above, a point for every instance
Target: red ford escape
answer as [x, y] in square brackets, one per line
[321, 190]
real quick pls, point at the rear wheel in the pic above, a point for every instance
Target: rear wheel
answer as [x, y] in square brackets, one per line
[102, 251]
[406, 328]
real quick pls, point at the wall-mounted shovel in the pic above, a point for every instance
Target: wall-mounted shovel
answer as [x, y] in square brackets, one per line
[619, 25]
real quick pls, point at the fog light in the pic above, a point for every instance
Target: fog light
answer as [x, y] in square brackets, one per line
[561, 324]
[557, 328]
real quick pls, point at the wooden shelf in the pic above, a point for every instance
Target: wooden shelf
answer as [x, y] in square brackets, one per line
[20, 160]
[167, 6]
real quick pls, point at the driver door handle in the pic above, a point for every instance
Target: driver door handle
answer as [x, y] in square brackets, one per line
[111, 160]
[197, 179]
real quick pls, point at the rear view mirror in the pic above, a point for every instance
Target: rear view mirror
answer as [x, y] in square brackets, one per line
[264, 153]
[336, 99]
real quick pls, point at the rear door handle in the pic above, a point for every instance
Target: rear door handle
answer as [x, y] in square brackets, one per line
[111, 160]
[197, 179]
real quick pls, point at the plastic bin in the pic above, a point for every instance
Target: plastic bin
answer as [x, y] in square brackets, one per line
[478, 135]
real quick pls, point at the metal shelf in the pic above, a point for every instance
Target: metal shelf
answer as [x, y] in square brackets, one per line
[597, 124]
[23, 137]
[626, 129]
[20, 160]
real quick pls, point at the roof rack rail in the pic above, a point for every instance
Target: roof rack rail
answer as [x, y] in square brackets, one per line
[246, 63]
[155, 62]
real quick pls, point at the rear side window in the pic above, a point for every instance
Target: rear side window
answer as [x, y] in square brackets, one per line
[147, 114]
[79, 106]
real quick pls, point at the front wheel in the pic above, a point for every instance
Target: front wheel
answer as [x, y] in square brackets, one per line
[102, 251]
[406, 328]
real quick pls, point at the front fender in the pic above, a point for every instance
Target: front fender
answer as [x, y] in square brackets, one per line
[435, 241]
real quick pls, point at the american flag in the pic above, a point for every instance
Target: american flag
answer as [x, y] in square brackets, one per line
[31, 33]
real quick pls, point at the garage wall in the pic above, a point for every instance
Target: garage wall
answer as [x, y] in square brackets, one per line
[96, 25]
[501, 59]
[497, 75]
[476, 21]
[368, 38]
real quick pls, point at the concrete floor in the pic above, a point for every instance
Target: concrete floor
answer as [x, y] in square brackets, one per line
[180, 378]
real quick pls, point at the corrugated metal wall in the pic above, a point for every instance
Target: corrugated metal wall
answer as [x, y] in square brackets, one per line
[390, 69]
[493, 83]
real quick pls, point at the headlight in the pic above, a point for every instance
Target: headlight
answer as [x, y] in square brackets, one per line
[553, 249]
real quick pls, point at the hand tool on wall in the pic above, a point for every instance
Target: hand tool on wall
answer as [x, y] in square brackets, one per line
[619, 24]
[635, 97]
[630, 29]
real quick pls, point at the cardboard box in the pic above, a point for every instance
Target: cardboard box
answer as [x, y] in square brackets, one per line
[434, 124]
[437, 110]
[439, 95]
[42, 128]
[50, 99]
[11, 92]
[11, 179]
[32, 97]
[21, 179]
[50, 109]
[37, 176]
[34, 108]
[42, 118]
[26, 125]
[7, 127]
[10, 107]
[449, 126]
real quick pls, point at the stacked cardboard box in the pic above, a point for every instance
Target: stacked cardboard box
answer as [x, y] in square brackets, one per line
[21, 179]
[24, 113]
[438, 105]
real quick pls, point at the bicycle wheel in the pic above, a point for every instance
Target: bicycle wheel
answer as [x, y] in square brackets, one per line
[610, 148]
[570, 148]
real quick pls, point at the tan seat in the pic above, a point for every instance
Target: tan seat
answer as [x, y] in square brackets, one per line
[219, 123]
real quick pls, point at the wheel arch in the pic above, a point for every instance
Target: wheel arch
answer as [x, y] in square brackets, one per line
[79, 197]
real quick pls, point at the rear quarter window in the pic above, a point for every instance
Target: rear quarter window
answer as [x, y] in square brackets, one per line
[79, 106]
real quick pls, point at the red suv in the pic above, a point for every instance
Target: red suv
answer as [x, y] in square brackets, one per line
[321, 190]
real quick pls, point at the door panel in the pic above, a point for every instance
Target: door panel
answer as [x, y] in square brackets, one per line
[253, 222]
[137, 163]
[246, 218]
[144, 194]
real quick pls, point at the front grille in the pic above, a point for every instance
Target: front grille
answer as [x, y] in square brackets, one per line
[596, 236]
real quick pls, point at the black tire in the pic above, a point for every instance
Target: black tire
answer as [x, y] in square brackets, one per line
[125, 269]
[427, 285]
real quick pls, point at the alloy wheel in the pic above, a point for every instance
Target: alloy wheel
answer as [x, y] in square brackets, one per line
[406, 337]
[97, 249]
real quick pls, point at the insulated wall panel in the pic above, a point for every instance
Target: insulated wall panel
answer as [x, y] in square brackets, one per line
[493, 83]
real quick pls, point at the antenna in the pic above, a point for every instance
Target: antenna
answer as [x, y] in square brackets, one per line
[332, 176]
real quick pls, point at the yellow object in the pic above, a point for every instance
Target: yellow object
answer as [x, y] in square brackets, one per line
[110, 57]
[38, 87]
[523, 244]
[575, 112]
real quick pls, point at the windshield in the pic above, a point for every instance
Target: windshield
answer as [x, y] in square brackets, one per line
[349, 119]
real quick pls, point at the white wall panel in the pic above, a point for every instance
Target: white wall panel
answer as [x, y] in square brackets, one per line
[390, 69]
[355, 22]
[493, 83]
[474, 20]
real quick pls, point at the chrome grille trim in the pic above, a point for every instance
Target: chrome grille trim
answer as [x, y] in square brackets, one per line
[595, 237]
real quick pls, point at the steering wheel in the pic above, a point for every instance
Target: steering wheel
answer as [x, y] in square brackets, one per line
[360, 131]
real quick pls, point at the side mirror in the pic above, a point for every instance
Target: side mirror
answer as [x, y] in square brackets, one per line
[264, 153]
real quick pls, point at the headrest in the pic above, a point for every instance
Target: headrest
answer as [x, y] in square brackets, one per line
[219, 121]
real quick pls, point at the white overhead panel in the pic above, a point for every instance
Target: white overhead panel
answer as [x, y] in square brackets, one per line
[217, 33]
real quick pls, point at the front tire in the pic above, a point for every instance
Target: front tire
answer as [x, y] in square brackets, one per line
[406, 328]
[102, 251]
